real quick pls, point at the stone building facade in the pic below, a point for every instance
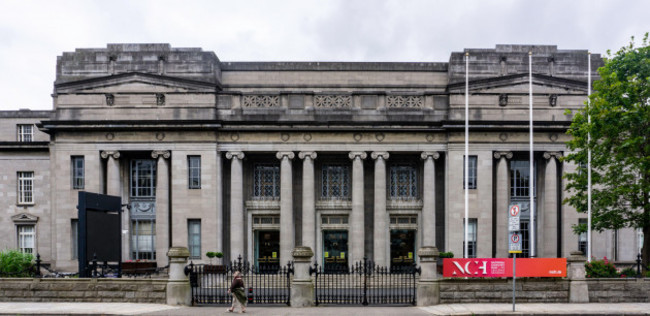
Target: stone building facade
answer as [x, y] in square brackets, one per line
[254, 158]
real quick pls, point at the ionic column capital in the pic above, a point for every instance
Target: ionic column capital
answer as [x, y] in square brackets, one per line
[361, 154]
[160, 153]
[505, 154]
[379, 154]
[549, 154]
[426, 154]
[235, 154]
[307, 154]
[107, 153]
[281, 154]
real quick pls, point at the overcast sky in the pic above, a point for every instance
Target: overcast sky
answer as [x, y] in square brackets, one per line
[33, 33]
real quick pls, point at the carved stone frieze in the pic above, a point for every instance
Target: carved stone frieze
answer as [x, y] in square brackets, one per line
[261, 101]
[160, 99]
[332, 101]
[110, 99]
[107, 153]
[404, 101]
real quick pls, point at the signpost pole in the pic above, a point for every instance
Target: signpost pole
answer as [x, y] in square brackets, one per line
[514, 279]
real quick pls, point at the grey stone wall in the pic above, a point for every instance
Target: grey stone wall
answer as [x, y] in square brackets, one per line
[83, 290]
[619, 290]
[500, 291]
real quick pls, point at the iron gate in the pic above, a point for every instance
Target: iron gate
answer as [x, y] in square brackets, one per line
[265, 285]
[365, 283]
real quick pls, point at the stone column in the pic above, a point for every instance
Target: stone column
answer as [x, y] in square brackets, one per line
[302, 288]
[356, 232]
[429, 198]
[237, 225]
[503, 199]
[428, 287]
[287, 235]
[162, 204]
[179, 291]
[547, 239]
[114, 187]
[578, 288]
[219, 204]
[308, 200]
[380, 236]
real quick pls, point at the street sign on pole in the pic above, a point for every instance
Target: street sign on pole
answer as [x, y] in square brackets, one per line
[513, 218]
[514, 242]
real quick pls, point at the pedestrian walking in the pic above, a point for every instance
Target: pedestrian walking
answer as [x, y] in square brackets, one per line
[238, 293]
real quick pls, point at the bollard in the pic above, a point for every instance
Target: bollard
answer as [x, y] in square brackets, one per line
[578, 288]
[428, 287]
[179, 291]
[302, 287]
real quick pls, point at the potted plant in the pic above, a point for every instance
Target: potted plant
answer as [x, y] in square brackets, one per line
[210, 268]
[443, 255]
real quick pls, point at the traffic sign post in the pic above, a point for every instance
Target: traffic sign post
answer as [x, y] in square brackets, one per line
[514, 243]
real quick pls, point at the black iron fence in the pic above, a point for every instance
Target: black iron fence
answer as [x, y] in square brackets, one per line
[365, 283]
[264, 285]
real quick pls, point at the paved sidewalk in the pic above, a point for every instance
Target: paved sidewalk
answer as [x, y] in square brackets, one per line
[450, 309]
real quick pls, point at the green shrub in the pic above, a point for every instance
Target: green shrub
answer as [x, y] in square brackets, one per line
[628, 273]
[14, 263]
[448, 254]
[601, 269]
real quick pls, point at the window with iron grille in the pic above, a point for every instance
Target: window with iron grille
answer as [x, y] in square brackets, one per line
[25, 187]
[334, 220]
[582, 238]
[194, 172]
[78, 172]
[403, 182]
[471, 237]
[26, 238]
[143, 178]
[471, 177]
[335, 182]
[525, 237]
[25, 133]
[194, 238]
[143, 239]
[266, 181]
[519, 178]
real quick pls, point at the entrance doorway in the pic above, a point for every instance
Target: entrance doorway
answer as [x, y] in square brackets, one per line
[267, 249]
[402, 247]
[335, 250]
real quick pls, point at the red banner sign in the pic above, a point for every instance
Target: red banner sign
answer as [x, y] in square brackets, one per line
[502, 267]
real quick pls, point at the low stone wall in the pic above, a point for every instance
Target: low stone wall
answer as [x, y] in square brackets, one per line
[83, 290]
[453, 291]
[619, 290]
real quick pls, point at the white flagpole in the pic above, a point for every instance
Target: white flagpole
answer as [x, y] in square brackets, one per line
[466, 159]
[531, 178]
[588, 160]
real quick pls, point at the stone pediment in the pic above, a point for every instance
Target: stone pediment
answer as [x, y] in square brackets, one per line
[515, 84]
[24, 218]
[135, 83]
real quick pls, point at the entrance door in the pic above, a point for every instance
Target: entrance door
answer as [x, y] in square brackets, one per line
[335, 250]
[267, 249]
[402, 247]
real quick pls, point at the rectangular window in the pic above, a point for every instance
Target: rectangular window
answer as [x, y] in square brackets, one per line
[74, 233]
[471, 177]
[336, 182]
[78, 172]
[25, 133]
[26, 238]
[582, 238]
[143, 239]
[143, 178]
[194, 238]
[403, 182]
[519, 179]
[471, 237]
[266, 181]
[194, 172]
[25, 187]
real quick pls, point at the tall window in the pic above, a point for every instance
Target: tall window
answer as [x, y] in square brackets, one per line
[471, 177]
[525, 237]
[266, 181]
[519, 179]
[194, 238]
[78, 173]
[582, 238]
[25, 187]
[143, 178]
[143, 239]
[336, 182]
[403, 182]
[25, 133]
[194, 172]
[26, 238]
[471, 237]
[74, 237]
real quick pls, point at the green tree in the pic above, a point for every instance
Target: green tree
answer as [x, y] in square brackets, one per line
[620, 145]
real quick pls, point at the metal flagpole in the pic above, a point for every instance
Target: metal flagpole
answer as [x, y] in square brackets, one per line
[466, 158]
[531, 177]
[588, 159]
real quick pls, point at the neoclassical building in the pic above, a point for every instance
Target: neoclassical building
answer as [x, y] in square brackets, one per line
[254, 158]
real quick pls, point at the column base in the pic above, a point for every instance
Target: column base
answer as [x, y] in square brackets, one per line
[578, 292]
[179, 293]
[302, 293]
[428, 293]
